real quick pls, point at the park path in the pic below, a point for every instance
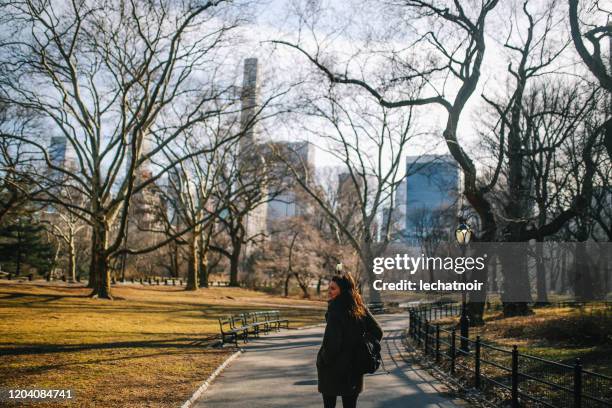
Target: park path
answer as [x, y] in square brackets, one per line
[278, 370]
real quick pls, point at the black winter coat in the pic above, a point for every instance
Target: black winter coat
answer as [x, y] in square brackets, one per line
[334, 369]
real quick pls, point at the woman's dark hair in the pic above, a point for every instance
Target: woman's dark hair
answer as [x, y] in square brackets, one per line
[349, 297]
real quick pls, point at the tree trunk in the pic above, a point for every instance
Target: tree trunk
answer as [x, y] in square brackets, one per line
[516, 293]
[477, 299]
[234, 263]
[372, 296]
[287, 279]
[93, 277]
[18, 258]
[541, 286]
[605, 269]
[53, 269]
[203, 267]
[303, 284]
[71, 259]
[100, 263]
[173, 252]
[192, 268]
[582, 274]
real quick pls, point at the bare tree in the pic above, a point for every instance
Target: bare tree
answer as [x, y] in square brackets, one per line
[66, 227]
[249, 178]
[370, 145]
[190, 194]
[120, 82]
[463, 56]
[537, 52]
[596, 34]
[452, 41]
[293, 252]
[16, 185]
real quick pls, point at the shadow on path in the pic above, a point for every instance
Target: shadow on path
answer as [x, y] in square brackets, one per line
[279, 370]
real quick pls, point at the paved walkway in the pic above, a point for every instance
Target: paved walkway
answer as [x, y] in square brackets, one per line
[278, 370]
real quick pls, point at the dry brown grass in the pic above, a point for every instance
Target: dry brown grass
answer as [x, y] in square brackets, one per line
[553, 333]
[144, 349]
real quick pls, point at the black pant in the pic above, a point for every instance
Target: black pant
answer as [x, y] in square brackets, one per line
[348, 401]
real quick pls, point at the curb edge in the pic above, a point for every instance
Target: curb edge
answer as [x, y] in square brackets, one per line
[202, 388]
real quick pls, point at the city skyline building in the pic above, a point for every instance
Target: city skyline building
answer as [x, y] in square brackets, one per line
[57, 151]
[289, 203]
[251, 154]
[432, 194]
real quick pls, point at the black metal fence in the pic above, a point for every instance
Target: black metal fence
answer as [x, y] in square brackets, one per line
[521, 379]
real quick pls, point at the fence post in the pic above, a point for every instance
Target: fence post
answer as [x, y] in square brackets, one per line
[437, 343]
[453, 351]
[426, 336]
[477, 363]
[411, 324]
[577, 384]
[515, 377]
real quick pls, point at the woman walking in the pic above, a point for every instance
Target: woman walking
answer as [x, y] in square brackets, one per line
[347, 318]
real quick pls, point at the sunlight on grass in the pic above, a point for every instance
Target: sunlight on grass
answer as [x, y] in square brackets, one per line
[553, 333]
[144, 349]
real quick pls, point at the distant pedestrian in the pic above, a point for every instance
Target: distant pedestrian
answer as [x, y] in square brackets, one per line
[347, 317]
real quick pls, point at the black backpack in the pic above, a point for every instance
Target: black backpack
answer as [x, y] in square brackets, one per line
[367, 353]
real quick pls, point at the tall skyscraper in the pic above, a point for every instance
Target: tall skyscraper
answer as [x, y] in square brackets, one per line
[432, 193]
[250, 103]
[288, 203]
[57, 151]
[250, 153]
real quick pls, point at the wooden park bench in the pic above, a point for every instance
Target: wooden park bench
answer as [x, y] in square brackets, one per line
[228, 330]
[242, 325]
[274, 320]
